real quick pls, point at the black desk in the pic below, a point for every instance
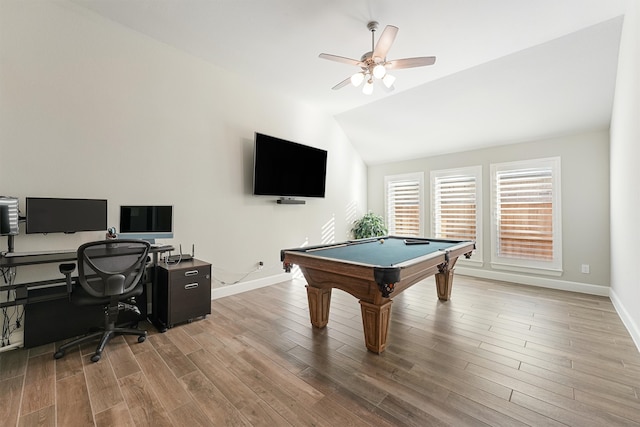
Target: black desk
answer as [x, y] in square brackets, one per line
[50, 258]
[49, 316]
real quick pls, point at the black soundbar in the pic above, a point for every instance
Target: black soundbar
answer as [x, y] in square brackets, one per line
[285, 201]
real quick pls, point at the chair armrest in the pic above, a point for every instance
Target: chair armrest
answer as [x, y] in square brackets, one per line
[67, 268]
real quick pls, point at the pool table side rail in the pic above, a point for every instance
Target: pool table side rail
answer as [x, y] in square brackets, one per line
[462, 248]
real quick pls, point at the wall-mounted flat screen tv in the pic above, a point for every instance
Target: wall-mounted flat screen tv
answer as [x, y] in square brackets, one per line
[54, 215]
[288, 169]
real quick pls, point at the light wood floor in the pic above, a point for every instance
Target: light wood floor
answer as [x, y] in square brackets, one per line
[496, 354]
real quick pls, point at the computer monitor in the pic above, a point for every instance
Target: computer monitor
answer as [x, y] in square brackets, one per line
[9, 216]
[61, 215]
[148, 222]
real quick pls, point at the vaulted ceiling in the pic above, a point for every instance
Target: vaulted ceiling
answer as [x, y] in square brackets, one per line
[507, 71]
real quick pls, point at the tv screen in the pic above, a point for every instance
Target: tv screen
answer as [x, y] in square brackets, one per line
[53, 215]
[289, 169]
[146, 222]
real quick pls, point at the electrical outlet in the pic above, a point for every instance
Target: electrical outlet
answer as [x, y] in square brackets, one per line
[585, 268]
[260, 265]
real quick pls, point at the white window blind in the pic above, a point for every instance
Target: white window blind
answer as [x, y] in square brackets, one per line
[527, 213]
[456, 206]
[404, 204]
[455, 212]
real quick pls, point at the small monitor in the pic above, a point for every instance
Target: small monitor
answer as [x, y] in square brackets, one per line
[147, 222]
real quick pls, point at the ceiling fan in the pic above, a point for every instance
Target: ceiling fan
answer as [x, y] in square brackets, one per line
[374, 64]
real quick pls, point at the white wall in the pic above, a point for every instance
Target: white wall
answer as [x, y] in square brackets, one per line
[89, 108]
[585, 204]
[625, 177]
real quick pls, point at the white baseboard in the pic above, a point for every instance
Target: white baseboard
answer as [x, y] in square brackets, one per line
[16, 339]
[226, 291]
[629, 323]
[543, 282]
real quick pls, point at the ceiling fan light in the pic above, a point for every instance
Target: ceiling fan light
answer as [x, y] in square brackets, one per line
[388, 80]
[356, 79]
[367, 89]
[379, 71]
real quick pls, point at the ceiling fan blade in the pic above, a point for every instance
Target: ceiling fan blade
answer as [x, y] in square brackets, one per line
[342, 84]
[388, 89]
[397, 64]
[341, 59]
[384, 42]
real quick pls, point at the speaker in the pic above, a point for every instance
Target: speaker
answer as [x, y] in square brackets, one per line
[286, 201]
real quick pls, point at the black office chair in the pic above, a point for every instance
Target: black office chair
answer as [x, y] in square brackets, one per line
[109, 274]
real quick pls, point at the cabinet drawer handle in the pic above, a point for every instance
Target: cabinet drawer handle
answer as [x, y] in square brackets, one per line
[191, 286]
[191, 273]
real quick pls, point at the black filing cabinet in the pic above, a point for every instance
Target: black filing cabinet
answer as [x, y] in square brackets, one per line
[184, 291]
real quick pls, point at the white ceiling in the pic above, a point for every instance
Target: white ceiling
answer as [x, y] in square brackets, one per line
[507, 70]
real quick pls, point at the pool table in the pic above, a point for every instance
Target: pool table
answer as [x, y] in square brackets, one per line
[374, 270]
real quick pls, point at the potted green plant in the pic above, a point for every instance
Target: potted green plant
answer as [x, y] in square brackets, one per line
[370, 225]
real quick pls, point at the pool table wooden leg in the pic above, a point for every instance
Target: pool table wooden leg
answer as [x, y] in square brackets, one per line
[375, 320]
[444, 278]
[444, 283]
[319, 302]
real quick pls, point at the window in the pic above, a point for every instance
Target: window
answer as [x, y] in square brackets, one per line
[526, 231]
[404, 204]
[456, 205]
